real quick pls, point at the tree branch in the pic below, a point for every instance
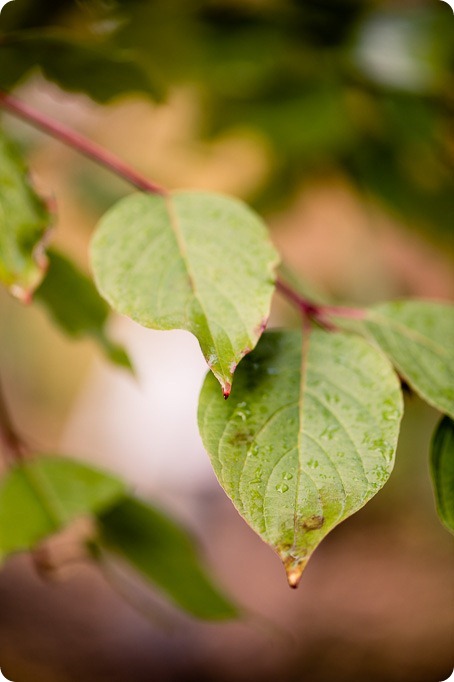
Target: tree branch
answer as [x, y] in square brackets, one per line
[78, 142]
[309, 310]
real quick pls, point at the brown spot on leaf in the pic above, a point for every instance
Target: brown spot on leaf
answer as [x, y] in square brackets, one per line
[241, 437]
[313, 522]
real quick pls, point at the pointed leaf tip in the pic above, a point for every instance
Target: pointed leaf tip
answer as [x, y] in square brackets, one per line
[145, 237]
[307, 437]
[294, 569]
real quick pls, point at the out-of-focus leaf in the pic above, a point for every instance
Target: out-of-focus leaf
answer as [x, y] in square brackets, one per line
[190, 260]
[99, 70]
[39, 497]
[74, 304]
[442, 465]
[307, 437]
[417, 336]
[24, 221]
[164, 554]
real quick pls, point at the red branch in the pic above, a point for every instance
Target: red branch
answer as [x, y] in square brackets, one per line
[309, 310]
[80, 143]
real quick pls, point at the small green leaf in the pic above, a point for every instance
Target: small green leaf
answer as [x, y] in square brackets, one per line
[101, 71]
[164, 554]
[24, 221]
[307, 437]
[73, 302]
[417, 336]
[189, 260]
[442, 465]
[39, 497]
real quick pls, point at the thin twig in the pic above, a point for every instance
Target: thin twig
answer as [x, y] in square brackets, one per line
[79, 142]
[317, 312]
[309, 310]
[12, 443]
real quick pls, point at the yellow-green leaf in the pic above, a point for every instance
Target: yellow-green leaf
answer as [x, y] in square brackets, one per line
[189, 260]
[307, 437]
[418, 338]
[24, 221]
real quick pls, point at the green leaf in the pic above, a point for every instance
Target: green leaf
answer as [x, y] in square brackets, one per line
[417, 336]
[101, 71]
[189, 260]
[39, 497]
[24, 221]
[307, 437]
[164, 554]
[442, 466]
[74, 304]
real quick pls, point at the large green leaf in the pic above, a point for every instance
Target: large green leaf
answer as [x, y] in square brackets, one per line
[24, 221]
[74, 304]
[164, 554]
[418, 337]
[39, 497]
[190, 260]
[442, 465]
[101, 71]
[307, 437]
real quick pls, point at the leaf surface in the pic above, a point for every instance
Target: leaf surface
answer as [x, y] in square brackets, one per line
[164, 554]
[442, 466]
[307, 438]
[418, 338]
[194, 261]
[24, 221]
[39, 497]
[74, 303]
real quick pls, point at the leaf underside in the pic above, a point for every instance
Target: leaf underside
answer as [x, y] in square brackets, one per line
[24, 221]
[442, 466]
[190, 260]
[307, 438]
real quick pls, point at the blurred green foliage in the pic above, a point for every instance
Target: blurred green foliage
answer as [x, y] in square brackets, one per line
[361, 89]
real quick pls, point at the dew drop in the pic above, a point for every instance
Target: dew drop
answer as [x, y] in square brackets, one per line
[282, 487]
[287, 476]
[255, 450]
[390, 415]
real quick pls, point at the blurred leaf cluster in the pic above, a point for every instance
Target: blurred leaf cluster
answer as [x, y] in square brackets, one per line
[364, 90]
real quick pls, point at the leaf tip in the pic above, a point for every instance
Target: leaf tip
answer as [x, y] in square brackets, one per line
[226, 388]
[22, 294]
[294, 569]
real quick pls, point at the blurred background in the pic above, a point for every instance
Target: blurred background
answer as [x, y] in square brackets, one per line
[334, 119]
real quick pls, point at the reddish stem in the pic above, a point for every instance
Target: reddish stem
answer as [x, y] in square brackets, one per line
[316, 312]
[11, 442]
[309, 310]
[80, 143]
